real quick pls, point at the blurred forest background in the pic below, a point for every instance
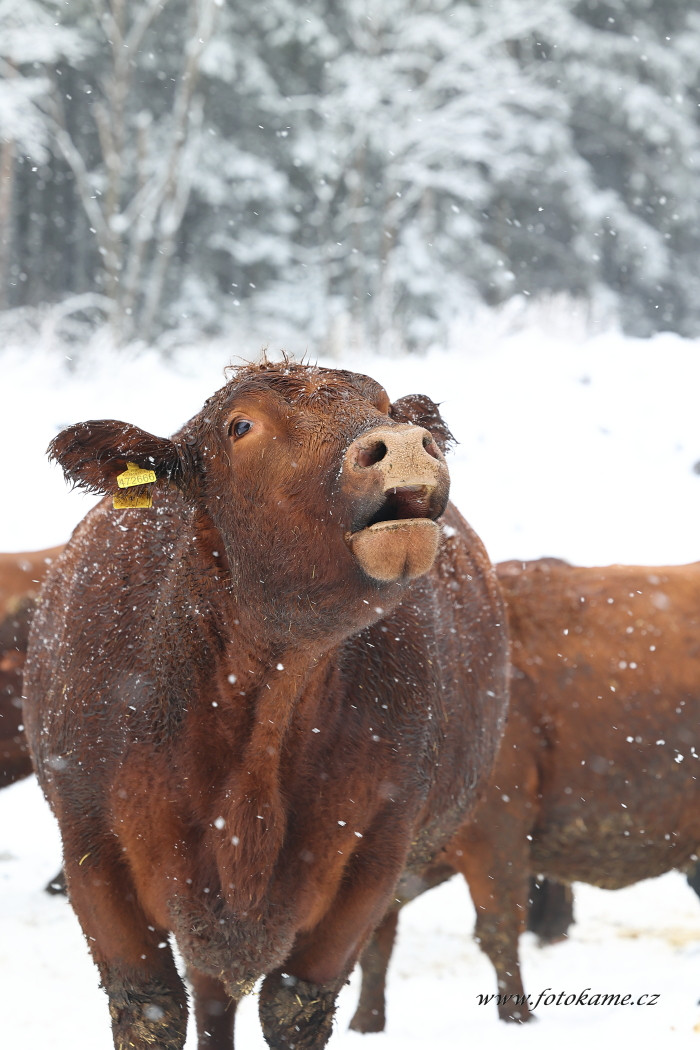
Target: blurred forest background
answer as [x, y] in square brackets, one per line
[355, 169]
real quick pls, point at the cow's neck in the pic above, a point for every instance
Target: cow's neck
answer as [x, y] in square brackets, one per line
[270, 673]
[275, 683]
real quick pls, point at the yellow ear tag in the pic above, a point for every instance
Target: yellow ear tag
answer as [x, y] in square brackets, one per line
[126, 500]
[133, 475]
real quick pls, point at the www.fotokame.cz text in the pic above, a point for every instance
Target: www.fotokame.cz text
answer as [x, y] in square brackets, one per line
[585, 998]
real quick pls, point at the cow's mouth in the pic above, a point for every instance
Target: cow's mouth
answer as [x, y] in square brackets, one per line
[400, 504]
[399, 541]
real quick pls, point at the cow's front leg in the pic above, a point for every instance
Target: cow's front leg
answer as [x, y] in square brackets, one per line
[297, 1001]
[370, 1015]
[147, 1011]
[147, 999]
[297, 1014]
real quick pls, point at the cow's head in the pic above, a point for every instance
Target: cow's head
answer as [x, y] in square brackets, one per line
[320, 488]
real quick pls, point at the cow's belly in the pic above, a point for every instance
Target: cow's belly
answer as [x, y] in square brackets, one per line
[611, 850]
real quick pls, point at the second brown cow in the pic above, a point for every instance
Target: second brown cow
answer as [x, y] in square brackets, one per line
[21, 576]
[598, 776]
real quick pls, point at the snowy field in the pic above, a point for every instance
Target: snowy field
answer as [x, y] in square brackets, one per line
[578, 447]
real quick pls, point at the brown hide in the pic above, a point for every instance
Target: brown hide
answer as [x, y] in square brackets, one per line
[20, 578]
[249, 709]
[598, 775]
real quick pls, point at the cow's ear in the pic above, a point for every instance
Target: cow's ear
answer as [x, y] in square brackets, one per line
[93, 454]
[422, 412]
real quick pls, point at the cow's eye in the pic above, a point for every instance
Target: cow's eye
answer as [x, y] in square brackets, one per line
[239, 428]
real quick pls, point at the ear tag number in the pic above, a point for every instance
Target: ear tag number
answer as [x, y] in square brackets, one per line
[133, 475]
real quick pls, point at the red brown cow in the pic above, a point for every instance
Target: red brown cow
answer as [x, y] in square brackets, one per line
[20, 579]
[253, 705]
[598, 775]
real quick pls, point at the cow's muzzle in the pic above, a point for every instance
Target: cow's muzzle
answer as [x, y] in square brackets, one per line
[399, 482]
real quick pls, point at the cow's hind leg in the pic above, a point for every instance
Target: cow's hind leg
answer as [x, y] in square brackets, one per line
[296, 1014]
[56, 885]
[214, 1012]
[692, 874]
[370, 1015]
[498, 882]
[551, 909]
[147, 999]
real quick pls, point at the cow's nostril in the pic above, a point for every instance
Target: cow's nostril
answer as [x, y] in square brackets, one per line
[430, 446]
[371, 454]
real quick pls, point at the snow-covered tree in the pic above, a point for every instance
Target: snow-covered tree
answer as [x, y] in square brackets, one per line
[439, 153]
[624, 73]
[132, 171]
[30, 41]
[117, 123]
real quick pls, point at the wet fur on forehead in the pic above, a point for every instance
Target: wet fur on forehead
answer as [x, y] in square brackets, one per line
[297, 384]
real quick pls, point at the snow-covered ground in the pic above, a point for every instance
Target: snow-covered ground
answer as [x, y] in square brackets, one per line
[578, 447]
